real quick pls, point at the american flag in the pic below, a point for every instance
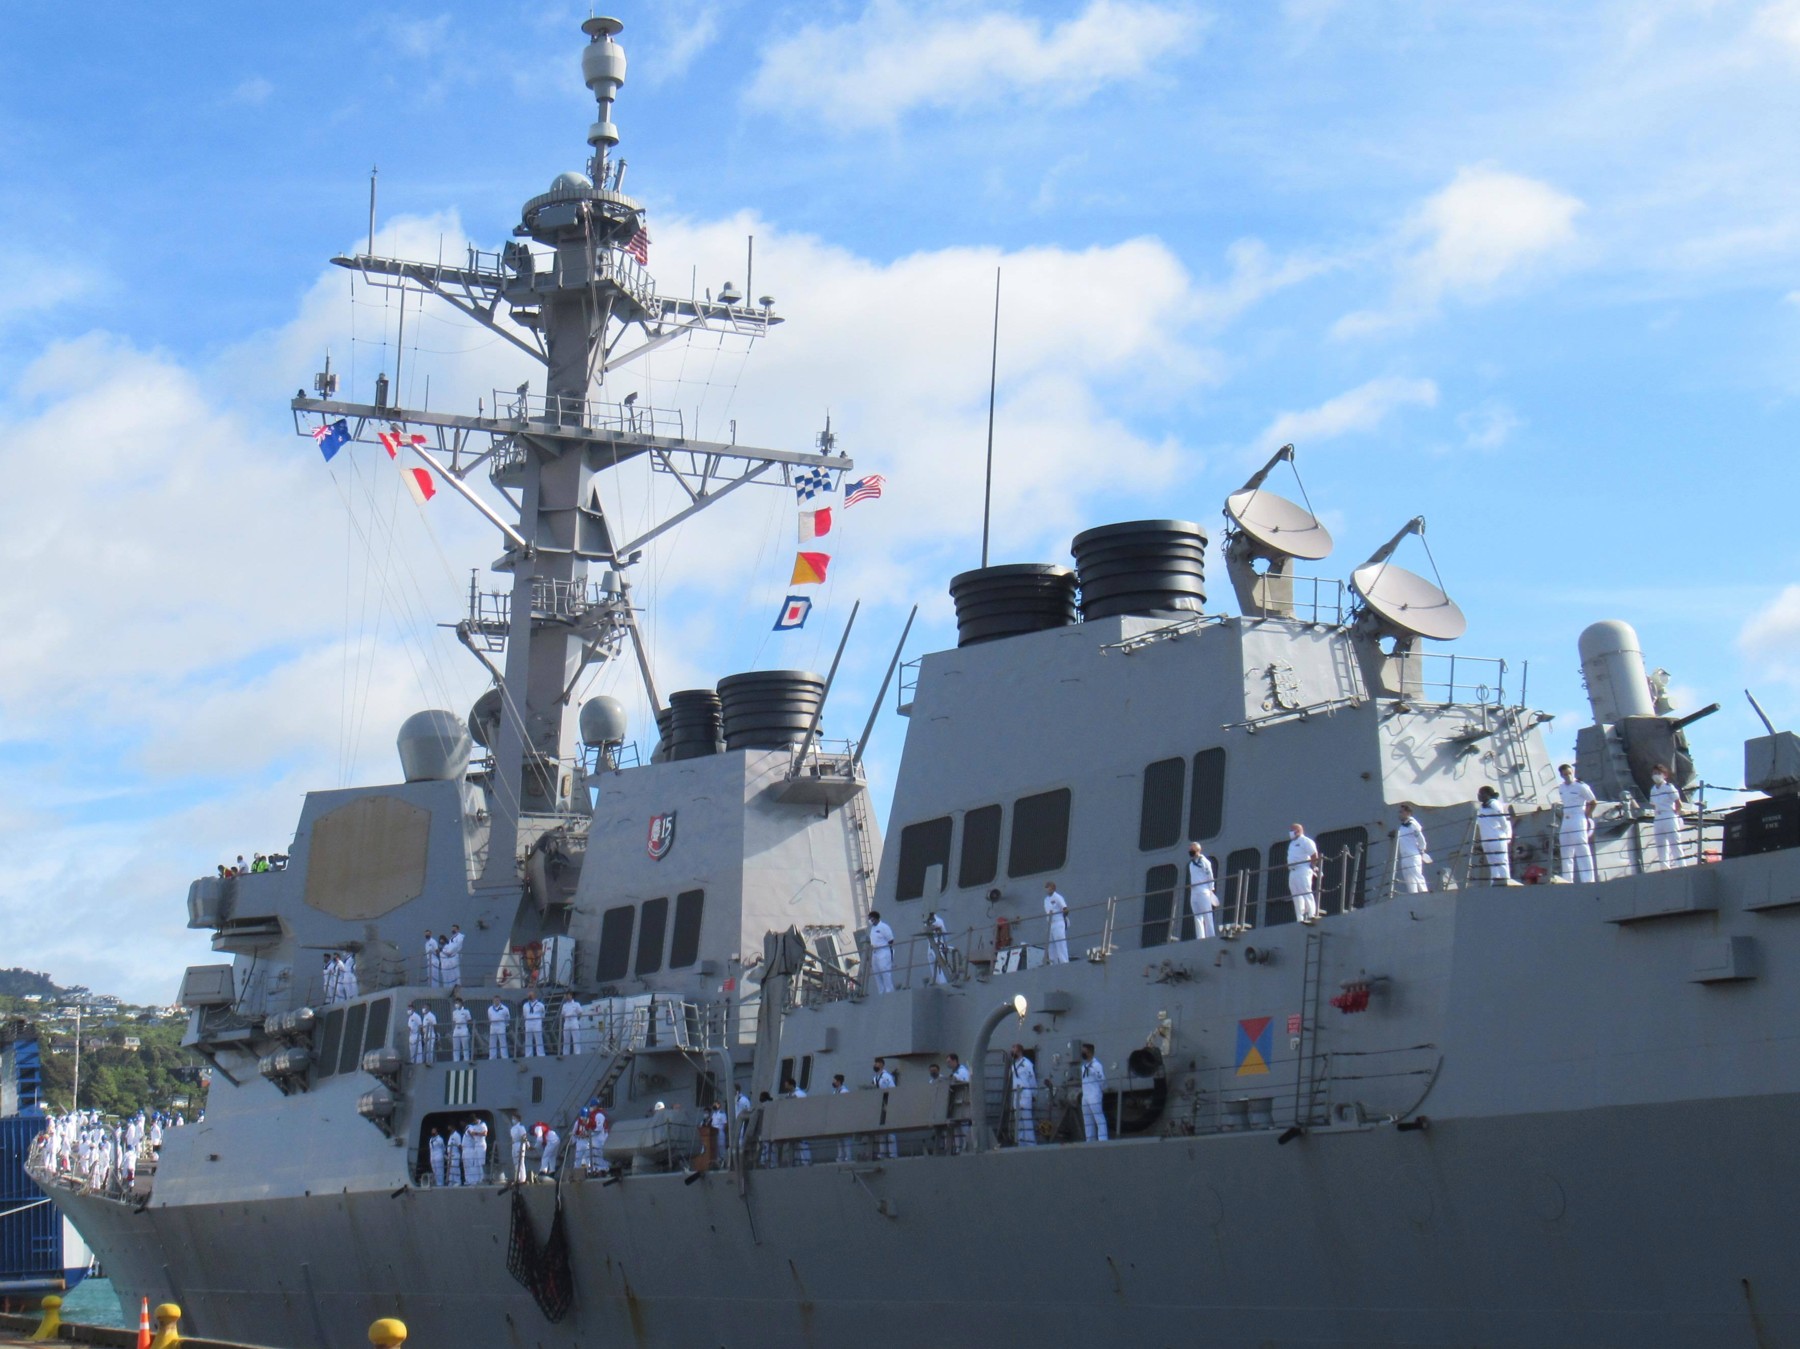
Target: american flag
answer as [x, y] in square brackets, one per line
[865, 489]
[639, 247]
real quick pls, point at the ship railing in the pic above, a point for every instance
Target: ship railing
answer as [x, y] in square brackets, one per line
[908, 687]
[605, 1026]
[566, 410]
[1448, 677]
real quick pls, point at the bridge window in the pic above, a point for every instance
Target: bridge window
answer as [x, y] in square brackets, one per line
[1040, 833]
[351, 1053]
[922, 846]
[684, 943]
[1206, 810]
[980, 861]
[331, 1036]
[376, 1036]
[615, 944]
[650, 936]
[1159, 820]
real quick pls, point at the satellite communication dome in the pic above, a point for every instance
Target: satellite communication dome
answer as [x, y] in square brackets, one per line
[602, 722]
[577, 181]
[433, 747]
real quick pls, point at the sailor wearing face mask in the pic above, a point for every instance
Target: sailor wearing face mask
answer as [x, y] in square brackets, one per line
[1665, 800]
[1093, 1097]
[1493, 833]
[1303, 873]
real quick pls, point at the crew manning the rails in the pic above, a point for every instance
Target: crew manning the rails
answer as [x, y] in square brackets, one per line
[1493, 834]
[1665, 801]
[573, 1040]
[532, 1010]
[883, 1080]
[881, 953]
[1413, 858]
[461, 1050]
[1203, 899]
[1056, 911]
[450, 957]
[434, 965]
[838, 1088]
[1575, 839]
[938, 949]
[1093, 1097]
[959, 1131]
[1024, 1102]
[1303, 874]
[499, 1022]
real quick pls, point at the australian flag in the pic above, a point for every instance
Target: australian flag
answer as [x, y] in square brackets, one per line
[332, 437]
[808, 485]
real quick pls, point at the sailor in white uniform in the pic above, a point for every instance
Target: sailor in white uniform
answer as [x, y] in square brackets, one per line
[938, 949]
[1665, 801]
[437, 1157]
[415, 1033]
[532, 1011]
[428, 1032]
[475, 1146]
[571, 1025]
[499, 1017]
[552, 1145]
[434, 968]
[1493, 833]
[846, 1146]
[518, 1135]
[802, 1153]
[453, 1157]
[881, 953]
[328, 974]
[883, 1080]
[450, 957]
[461, 1048]
[744, 1109]
[1024, 1091]
[1056, 912]
[1203, 897]
[1410, 838]
[1303, 874]
[1093, 1096]
[959, 1131]
[1575, 839]
[346, 977]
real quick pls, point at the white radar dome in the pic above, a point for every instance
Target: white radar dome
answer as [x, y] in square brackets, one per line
[602, 721]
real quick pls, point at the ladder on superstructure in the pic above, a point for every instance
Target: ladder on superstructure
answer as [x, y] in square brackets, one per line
[1312, 1083]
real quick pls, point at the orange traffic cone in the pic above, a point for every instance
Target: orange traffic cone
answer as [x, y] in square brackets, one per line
[144, 1326]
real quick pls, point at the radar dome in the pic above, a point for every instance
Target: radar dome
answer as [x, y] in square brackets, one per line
[602, 721]
[570, 181]
[433, 747]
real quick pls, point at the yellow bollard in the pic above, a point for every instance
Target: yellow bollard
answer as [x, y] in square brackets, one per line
[168, 1326]
[52, 1321]
[388, 1333]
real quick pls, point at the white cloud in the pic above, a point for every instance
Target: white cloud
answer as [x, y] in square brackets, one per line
[683, 29]
[1782, 23]
[893, 58]
[1485, 228]
[1771, 636]
[1360, 409]
[252, 92]
[1488, 425]
[1255, 275]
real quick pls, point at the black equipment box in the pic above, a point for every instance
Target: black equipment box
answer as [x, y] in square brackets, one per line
[1769, 825]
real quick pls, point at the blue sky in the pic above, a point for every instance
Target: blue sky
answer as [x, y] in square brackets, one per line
[1528, 270]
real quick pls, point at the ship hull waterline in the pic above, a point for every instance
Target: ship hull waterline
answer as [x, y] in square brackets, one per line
[1632, 1226]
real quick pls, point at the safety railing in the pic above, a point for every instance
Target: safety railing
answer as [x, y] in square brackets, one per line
[566, 410]
[1446, 677]
[649, 1021]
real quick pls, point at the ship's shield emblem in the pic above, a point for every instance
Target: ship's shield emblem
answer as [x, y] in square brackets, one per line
[662, 835]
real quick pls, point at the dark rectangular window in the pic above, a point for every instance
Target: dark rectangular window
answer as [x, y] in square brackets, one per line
[650, 936]
[806, 1072]
[1159, 822]
[922, 846]
[376, 1036]
[1159, 903]
[980, 861]
[330, 1037]
[1281, 904]
[1344, 855]
[684, 942]
[351, 1053]
[1040, 833]
[1243, 883]
[537, 1091]
[615, 944]
[1206, 808]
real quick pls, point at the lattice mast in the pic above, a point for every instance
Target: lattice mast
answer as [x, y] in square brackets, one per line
[583, 309]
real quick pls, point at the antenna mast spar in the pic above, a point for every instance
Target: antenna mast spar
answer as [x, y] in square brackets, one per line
[571, 290]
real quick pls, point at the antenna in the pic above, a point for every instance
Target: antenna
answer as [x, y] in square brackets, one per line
[1263, 527]
[1405, 604]
[881, 694]
[987, 482]
[373, 170]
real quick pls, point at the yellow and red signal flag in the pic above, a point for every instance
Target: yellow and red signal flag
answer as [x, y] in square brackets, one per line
[809, 568]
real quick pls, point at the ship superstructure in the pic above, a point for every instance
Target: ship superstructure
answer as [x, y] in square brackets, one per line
[1498, 1109]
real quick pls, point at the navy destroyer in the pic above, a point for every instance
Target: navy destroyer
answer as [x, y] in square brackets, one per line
[1522, 1075]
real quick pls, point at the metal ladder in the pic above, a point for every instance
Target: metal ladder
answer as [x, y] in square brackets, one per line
[867, 858]
[1312, 1085]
